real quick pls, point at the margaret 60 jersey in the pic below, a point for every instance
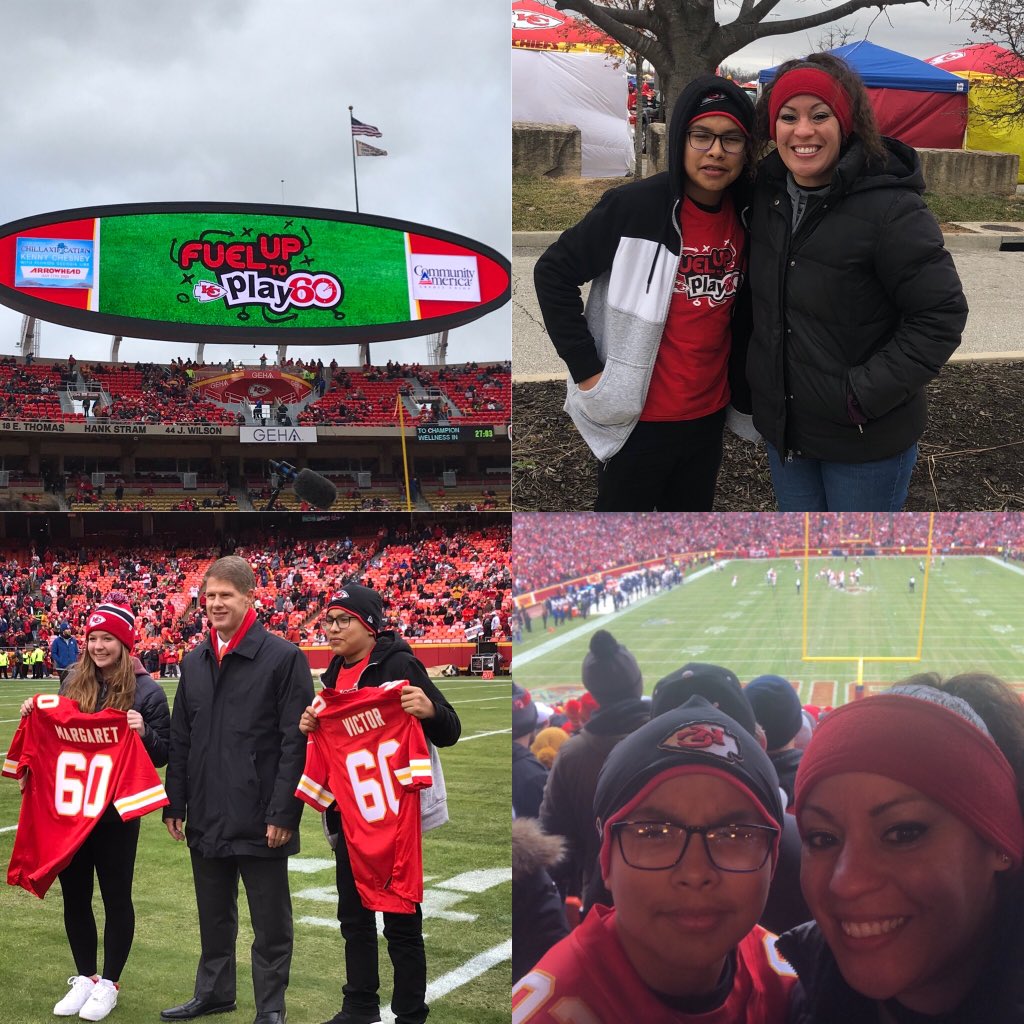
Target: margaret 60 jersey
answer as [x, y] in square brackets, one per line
[78, 765]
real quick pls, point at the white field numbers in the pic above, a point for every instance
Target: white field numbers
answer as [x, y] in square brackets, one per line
[82, 783]
[538, 988]
[374, 793]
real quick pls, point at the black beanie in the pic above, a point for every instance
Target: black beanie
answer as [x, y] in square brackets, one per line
[698, 736]
[362, 602]
[610, 672]
[777, 708]
[716, 101]
[524, 712]
[714, 683]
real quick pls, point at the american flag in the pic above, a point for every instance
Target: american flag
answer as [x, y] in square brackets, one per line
[358, 128]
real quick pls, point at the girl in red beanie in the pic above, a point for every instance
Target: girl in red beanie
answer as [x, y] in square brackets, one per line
[909, 805]
[106, 676]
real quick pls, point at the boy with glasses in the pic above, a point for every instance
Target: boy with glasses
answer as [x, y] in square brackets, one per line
[365, 655]
[657, 356]
[690, 816]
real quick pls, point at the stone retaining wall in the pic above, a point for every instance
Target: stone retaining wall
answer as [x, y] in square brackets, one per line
[547, 150]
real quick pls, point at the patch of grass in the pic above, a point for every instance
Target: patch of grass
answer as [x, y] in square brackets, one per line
[554, 204]
[988, 208]
[464, 916]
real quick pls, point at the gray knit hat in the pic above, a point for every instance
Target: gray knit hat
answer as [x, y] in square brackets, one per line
[610, 672]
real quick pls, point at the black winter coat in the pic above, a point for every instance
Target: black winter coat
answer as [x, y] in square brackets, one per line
[236, 751]
[823, 997]
[863, 303]
[529, 777]
[392, 658]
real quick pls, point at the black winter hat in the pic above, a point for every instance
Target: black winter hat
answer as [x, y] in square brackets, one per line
[524, 712]
[777, 708]
[610, 672]
[696, 736]
[720, 686]
[362, 602]
[716, 100]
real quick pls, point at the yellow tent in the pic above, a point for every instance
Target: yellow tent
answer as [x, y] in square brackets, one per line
[994, 75]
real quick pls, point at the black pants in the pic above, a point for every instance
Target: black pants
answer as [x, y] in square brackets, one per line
[668, 467]
[270, 909]
[109, 854]
[404, 936]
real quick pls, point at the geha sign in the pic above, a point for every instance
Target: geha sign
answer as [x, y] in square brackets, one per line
[241, 273]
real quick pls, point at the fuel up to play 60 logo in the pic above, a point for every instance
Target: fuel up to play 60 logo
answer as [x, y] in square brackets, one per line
[448, 278]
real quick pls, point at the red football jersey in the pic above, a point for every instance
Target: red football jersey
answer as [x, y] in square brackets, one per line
[365, 743]
[78, 765]
[588, 979]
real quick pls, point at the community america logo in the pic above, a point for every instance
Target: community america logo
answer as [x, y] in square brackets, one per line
[706, 737]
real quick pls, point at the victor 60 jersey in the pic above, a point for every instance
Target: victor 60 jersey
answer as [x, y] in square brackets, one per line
[78, 765]
[371, 757]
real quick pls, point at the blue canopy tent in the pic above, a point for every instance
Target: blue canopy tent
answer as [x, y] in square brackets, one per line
[911, 102]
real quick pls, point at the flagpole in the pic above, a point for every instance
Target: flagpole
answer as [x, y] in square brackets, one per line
[355, 176]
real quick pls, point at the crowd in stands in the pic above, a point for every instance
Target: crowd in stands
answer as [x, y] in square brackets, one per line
[555, 547]
[435, 583]
[150, 393]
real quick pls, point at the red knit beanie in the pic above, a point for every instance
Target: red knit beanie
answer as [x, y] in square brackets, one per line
[113, 617]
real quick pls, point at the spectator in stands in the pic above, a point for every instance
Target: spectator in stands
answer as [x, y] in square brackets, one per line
[909, 803]
[778, 711]
[64, 651]
[689, 814]
[107, 676]
[262, 684]
[528, 774]
[611, 674]
[364, 655]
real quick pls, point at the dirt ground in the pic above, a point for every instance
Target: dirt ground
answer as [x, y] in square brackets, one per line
[971, 455]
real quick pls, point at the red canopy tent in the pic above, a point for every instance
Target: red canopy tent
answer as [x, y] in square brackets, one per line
[982, 58]
[537, 27]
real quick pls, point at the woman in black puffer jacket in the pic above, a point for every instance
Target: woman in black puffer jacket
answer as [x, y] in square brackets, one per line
[857, 305]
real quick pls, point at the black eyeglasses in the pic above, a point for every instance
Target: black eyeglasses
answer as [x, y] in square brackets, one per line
[703, 141]
[335, 622]
[660, 845]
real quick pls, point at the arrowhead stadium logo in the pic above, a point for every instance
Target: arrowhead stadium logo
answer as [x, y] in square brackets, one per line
[705, 738]
[209, 291]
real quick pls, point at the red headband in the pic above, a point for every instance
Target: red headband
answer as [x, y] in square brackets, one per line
[913, 741]
[811, 82]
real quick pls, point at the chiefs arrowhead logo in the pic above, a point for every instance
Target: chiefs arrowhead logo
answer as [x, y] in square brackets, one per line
[705, 738]
[96, 619]
[342, 593]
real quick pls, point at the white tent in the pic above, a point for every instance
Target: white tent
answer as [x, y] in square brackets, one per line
[584, 89]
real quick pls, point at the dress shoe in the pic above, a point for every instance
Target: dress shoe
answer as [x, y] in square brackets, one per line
[196, 1007]
[271, 1017]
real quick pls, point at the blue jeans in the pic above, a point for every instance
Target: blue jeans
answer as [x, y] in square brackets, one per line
[812, 485]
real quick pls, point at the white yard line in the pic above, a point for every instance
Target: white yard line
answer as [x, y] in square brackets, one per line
[480, 735]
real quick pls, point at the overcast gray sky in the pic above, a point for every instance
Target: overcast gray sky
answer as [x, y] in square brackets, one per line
[913, 29]
[120, 101]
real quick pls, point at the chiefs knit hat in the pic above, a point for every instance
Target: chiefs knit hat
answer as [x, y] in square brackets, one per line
[524, 712]
[360, 602]
[113, 617]
[716, 684]
[610, 672]
[715, 101]
[697, 739]
[777, 708]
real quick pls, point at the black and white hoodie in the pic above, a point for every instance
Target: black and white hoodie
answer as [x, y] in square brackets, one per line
[628, 247]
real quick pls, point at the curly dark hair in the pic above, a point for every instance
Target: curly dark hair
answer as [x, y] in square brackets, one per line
[865, 127]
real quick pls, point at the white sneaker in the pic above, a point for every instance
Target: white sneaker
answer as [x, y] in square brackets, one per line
[102, 1000]
[81, 989]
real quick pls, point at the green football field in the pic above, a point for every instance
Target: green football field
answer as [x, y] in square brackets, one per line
[972, 622]
[369, 261]
[466, 908]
